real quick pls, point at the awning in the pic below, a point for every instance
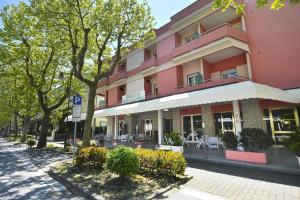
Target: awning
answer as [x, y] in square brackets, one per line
[237, 91]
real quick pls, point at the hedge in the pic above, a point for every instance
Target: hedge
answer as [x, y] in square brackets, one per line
[91, 157]
[158, 162]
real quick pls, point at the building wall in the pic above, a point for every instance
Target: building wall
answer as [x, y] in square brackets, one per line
[167, 81]
[135, 86]
[274, 43]
[252, 115]
[165, 46]
[112, 96]
[228, 63]
[208, 120]
[135, 60]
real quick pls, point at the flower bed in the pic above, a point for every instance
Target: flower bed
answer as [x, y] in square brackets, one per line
[125, 173]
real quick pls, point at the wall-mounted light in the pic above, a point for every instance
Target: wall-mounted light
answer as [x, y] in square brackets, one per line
[166, 110]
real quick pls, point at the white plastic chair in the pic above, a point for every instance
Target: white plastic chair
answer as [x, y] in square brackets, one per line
[123, 138]
[213, 143]
[200, 142]
[108, 137]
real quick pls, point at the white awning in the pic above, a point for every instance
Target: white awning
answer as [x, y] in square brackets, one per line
[237, 91]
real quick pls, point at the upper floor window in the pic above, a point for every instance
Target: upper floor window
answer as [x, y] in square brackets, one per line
[192, 37]
[194, 79]
[229, 73]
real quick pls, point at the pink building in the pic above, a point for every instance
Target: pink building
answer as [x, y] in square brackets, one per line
[209, 72]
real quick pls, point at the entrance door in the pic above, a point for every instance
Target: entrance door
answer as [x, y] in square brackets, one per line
[147, 128]
[168, 125]
[192, 126]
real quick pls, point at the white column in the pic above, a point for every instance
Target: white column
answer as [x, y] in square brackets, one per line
[243, 22]
[160, 126]
[237, 117]
[249, 67]
[116, 127]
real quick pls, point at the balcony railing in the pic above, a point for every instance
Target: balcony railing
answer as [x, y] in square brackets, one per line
[149, 62]
[211, 83]
[219, 32]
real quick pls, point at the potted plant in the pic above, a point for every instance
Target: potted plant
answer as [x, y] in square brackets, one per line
[254, 141]
[173, 142]
[293, 144]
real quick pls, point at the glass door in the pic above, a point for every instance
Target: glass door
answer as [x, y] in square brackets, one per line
[192, 126]
[224, 122]
[168, 125]
[147, 126]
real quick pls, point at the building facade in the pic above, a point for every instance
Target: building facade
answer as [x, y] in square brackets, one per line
[208, 72]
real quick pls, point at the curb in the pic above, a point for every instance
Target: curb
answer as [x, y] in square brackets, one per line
[77, 190]
[248, 166]
[73, 187]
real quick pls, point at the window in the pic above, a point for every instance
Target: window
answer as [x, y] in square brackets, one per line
[284, 120]
[194, 79]
[192, 37]
[229, 73]
[224, 122]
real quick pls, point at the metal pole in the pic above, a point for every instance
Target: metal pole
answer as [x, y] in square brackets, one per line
[74, 143]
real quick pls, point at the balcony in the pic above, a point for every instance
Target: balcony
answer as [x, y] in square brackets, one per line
[211, 83]
[122, 74]
[150, 62]
[217, 33]
[101, 105]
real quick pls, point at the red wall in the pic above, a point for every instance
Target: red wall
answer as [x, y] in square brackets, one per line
[179, 76]
[228, 63]
[221, 108]
[274, 104]
[147, 86]
[167, 81]
[112, 96]
[274, 39]
[165, 46]
[190, 111]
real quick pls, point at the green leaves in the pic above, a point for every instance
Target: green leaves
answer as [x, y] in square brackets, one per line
[240, 6]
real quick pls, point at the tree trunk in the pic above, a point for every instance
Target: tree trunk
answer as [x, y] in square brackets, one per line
[16, 123]
[42, 143]
[89, 116]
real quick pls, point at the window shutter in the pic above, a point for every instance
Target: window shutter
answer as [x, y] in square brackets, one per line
[198, 78]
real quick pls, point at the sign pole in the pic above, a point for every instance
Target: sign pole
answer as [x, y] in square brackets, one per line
[76, 117]
[74, 143]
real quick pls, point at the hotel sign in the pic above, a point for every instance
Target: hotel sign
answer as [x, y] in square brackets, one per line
[133, 97]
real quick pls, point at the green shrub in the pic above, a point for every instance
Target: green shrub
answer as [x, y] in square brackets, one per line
[91, 157]
[293, 143]
[123, 161]
[31, 143]
[230, 140]
[29, 137]
[160, 162]
[68, 147]
[254, 140]
[175, 138]
[22, 138]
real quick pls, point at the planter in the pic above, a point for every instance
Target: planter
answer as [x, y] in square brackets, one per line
[251, 157]
[298, 158]
[172, 148]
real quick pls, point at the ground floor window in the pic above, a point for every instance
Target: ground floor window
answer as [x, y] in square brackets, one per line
[224, 122]
[168, 125]
[192, 126]
[280, 122]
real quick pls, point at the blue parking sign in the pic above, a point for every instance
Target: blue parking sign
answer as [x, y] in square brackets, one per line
[77, 100]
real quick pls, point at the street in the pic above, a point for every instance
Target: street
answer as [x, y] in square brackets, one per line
[23, 176]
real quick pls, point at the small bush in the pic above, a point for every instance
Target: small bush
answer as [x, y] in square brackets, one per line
[293, 143]
[29, 137]
[254, 140]
[159, 162]
[123, 161]
[175, 139]
[31, 143]
[68, 147]
[230, 140]
[91, 157]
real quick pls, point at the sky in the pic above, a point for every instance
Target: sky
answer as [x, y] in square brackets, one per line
[162, 10]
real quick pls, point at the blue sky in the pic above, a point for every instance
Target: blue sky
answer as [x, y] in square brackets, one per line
[162, 10]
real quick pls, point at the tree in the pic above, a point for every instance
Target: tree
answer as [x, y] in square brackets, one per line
[98, 30]
[41, 56]
[240, 5]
